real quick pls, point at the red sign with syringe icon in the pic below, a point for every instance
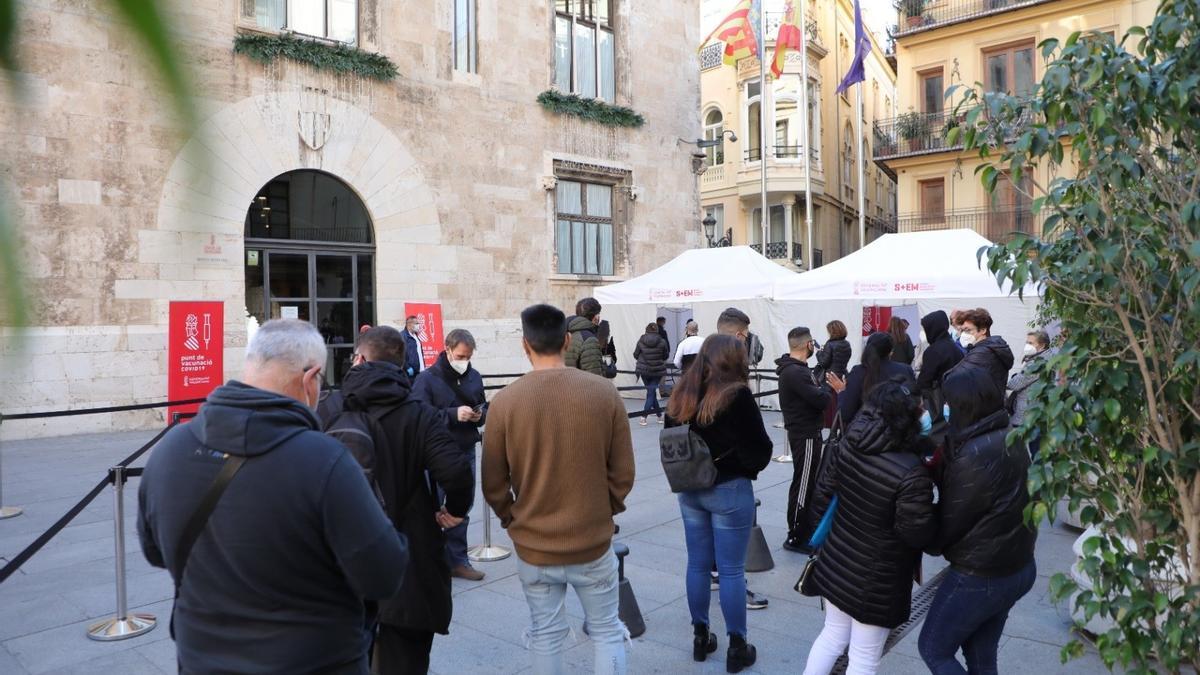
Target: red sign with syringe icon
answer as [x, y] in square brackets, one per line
[195, 346]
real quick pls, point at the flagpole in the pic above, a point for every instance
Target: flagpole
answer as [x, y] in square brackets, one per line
[762, 121]
[862, 212]
[808, 210]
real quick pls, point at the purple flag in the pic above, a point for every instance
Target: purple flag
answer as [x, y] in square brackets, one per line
[862, 45]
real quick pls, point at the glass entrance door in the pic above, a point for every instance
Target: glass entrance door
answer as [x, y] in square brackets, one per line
[333, 290]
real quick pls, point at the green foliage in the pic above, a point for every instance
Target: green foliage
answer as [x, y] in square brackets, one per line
[148, 27]
[321, 55]
[912, 125]
[1118, 261]
[589, 109]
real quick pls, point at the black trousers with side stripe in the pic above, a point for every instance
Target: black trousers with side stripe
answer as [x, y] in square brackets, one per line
[806, 459]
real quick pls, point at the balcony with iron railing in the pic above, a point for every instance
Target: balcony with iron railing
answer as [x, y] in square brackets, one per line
[778, 250]
[919, 133]
[785, 170]
[996, 223]
[922, 15]
[773, 19]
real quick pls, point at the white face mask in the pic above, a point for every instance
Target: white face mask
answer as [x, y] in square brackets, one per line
[1030, 350]
[459, 367]
[966, 339]
[923, 339]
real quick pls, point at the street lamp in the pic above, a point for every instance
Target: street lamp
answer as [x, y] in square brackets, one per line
[710, 231]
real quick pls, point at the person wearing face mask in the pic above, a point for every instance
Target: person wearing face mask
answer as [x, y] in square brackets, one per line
[413, 448]
[454, 387]
[984, 350]
[282, 571]
[413, 361]
[1037, 348]
[802, 399]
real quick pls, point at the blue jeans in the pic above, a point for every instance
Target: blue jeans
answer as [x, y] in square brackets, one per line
[716, 526]
[970, 612]
[546, 591]
[651, 393]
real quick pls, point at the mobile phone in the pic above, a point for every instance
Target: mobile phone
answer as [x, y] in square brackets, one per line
[479, 408]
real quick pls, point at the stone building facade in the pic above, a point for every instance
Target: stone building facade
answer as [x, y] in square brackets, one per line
[455, 185]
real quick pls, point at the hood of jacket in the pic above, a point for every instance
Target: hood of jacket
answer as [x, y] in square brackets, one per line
[868, 434]
[376, 383]
[992, 422]
[998, 348]
[579, 323]
[247, 421]
[788, 361]
[936, 324]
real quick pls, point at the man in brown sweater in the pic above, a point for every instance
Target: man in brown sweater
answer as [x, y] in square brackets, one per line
[556, 484]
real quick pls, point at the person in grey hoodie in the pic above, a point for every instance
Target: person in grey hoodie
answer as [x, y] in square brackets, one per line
[1037, 349]
[285, 571]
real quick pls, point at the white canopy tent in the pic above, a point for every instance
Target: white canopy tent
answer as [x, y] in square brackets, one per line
[925, 271]
[705, 281]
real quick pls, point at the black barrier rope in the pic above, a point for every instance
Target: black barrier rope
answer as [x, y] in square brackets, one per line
[21, 558]
[660, 410]
[96, 411]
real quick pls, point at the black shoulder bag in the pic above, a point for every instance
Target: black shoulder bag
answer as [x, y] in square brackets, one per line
[195, 524]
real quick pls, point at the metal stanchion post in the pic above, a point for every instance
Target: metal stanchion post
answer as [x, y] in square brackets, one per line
[6, 511]
[123, 625]
[786, 457]
[486, 552]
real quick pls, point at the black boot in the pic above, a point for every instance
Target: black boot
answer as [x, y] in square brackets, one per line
[740, 655]
[704, 643]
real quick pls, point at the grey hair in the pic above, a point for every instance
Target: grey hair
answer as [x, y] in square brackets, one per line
[291, 342]
[1041, 337]
[460, 336]
[692, 328]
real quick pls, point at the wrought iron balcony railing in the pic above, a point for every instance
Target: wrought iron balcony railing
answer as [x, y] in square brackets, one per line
[915, 133]
[773, 19]
[793, 152]
[778, 250]
[996, 223]
[921, 15]
[753, 154]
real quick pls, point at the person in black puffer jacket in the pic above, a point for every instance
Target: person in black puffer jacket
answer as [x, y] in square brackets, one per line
[885, 516]
[982, 530]
[984, 350]
[940, 356]
[877, 366]
[834, 357]
[651, 354]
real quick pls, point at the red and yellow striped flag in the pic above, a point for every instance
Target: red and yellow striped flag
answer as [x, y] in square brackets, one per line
[737, 33]
[789, 38]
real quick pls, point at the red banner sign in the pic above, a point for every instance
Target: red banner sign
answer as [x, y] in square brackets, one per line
[429, 329]
[195, 345]
[875, 319]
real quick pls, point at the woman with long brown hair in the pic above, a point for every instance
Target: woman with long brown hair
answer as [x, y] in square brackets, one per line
[713, 397]
[903, 350]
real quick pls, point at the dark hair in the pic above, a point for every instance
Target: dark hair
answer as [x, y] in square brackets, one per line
[732, 320]
[798, 335]
[836, 329]
[900, 408]
[980, 317]
[661, 319]
[588, 308]
[544, 328]
[972, 395]
[651, 329]
[708, 386]
[381, 343]
[603, 333]
[878, 351]
[410, 318]
[896, 330]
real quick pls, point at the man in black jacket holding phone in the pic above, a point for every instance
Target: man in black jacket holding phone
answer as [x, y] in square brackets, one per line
[803, 400]
[456, 389]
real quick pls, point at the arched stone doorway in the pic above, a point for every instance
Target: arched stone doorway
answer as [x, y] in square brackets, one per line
[310, 251]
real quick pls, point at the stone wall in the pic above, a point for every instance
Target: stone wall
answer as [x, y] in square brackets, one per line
[121, 212]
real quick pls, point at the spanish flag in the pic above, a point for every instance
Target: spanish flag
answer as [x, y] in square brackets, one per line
[737, 32]
[789, 38]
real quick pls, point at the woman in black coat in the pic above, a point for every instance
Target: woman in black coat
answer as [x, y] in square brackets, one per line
[982, 531]
[876, 367]
[885, 516]
[651, 354]
[834, 357]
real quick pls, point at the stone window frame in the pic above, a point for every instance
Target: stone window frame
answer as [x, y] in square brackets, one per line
[471, 37]
[615, 26]
[621, 181]
[367, 20]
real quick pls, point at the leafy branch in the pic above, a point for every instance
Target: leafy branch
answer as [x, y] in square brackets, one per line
[589, 109]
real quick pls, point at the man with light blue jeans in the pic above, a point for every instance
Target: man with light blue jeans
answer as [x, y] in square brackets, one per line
[557, 466]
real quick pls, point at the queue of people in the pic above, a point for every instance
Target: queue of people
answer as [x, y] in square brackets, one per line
[328, 529]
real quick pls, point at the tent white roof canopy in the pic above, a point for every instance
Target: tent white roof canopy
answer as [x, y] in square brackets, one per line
[898, 267]
[701, 275]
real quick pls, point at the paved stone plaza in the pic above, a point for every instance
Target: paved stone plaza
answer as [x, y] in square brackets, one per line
[45, 608]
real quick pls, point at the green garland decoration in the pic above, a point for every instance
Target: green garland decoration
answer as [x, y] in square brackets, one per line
[589, 109]
[321, 55]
